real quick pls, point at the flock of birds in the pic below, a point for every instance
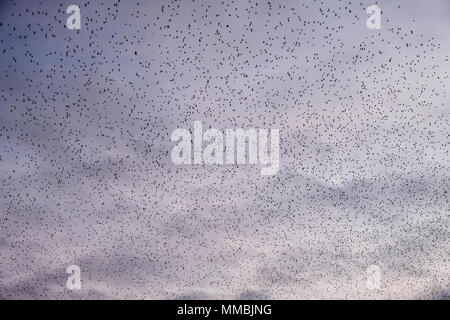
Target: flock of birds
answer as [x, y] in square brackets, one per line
[85, 171]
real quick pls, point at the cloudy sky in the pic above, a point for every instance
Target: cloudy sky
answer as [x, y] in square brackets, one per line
[86, 176]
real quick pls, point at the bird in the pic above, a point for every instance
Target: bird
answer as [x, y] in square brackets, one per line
[86, 175]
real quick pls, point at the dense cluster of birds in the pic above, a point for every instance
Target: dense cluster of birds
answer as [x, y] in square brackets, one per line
[85, 170]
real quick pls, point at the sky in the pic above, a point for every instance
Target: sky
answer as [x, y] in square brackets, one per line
[86, 176]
